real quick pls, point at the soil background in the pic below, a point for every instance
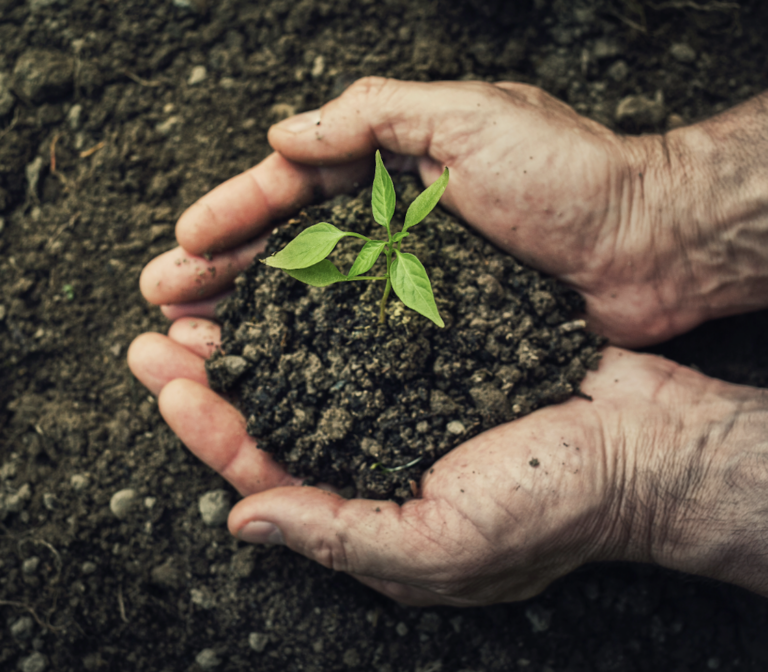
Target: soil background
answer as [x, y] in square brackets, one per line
[145, 107]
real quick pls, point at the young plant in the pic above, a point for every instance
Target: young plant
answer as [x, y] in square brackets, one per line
[304, 258]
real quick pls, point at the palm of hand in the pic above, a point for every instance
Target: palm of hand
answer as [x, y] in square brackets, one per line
[498, 518]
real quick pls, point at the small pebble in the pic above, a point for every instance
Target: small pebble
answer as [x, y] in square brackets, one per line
[401, 629]
[258, 641]
[202, 598]
[15, 503]
[22, 628]
[121, 502]
[682, 52]
[78, 482]
[214, 507]
[167, 127]
[35, 662]
[74, 116]
[455, 427]
[207, 659]
[50, 501]
[88, 567]
[198, 75]
[30, 565]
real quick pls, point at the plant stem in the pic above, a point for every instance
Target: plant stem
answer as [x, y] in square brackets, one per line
[383, 309]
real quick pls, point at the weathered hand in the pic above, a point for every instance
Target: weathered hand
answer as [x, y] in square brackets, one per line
[556, 189]
[664, 465]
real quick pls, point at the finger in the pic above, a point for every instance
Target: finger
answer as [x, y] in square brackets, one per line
[156, 360]
[215, 432]
[377, 113]
[201, 337]
[204, 308]
[376, 539]
[246, 204]
[177, 276]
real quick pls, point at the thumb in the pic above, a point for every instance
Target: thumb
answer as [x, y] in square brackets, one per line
[376, 113]
[369, 538]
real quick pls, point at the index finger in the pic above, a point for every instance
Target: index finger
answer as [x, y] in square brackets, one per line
[243, 206]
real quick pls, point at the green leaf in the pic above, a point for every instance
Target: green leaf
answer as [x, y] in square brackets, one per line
[367, 258]
[383, 196]
[426, 201]
[399, 236]
[412, 286]
[321, 274]
[309, 247]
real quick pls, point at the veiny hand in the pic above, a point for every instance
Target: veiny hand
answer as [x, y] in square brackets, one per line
[665, 465]
[555, 189]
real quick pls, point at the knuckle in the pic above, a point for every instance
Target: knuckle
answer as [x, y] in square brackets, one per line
[331, 552]
[367, 88]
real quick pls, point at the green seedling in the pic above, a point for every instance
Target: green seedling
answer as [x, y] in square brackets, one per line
[304, 258]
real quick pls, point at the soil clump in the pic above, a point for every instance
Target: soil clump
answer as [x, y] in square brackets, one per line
[339, 399]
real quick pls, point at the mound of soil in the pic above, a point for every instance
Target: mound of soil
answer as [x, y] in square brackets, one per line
[339, 399]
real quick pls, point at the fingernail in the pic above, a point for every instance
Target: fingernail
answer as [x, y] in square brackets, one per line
[260, 532]
[300, 122]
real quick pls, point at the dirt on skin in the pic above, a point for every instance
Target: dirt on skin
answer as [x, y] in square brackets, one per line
[116, 116]
[341, 399]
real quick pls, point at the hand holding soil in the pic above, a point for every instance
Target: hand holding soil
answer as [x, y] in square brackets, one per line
[509, 511]
[635, 224]
[645, 472]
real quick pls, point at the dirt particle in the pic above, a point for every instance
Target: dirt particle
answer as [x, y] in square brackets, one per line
[534, 462]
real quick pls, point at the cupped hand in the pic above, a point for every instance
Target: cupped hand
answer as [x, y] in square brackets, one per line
[555, 189]
[641, 472]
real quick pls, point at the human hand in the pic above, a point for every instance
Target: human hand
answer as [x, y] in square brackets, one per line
[555, 189]
[664, 465]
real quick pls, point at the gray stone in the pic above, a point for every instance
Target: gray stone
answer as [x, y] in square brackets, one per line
[258, 641]
[22, 629]
[122, 502]
[198, 75]
[640, 110]
[7, 99]
[15, 503]
[33, 171]
[75, 117]
[36, 662]
[41, 75]
[207, 659]
[50, 501]
[78, 482]
[683, 52]
[455, 427]
[88, 567]
[168, 126]
[214, 507]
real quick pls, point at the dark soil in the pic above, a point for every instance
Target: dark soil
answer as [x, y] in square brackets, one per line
[104, 88]
[340, 400]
